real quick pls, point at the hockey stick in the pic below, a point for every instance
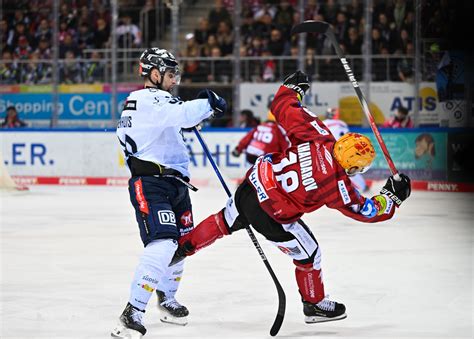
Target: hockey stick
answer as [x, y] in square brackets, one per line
[281, 294]
[312, 26]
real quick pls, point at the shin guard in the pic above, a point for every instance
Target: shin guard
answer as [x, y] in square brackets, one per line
[310, 282]
[204, 234]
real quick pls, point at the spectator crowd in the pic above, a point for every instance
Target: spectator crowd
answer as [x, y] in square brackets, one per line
[84, 31]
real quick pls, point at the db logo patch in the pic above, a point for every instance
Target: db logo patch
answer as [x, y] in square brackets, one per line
[187, 219]
[167, 218]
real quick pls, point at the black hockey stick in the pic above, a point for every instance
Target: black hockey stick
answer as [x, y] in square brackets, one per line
[321, 27]
[281, 294]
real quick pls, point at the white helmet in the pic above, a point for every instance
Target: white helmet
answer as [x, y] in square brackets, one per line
[160, 59]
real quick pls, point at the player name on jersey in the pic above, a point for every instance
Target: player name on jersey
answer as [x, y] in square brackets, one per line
[306, 167]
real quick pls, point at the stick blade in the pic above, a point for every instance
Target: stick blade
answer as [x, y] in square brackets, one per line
[310, 26]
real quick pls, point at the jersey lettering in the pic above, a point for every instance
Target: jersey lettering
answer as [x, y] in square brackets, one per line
[306, 167]
[124, 122]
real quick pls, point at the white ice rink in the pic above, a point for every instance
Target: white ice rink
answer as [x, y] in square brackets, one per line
[68, 255]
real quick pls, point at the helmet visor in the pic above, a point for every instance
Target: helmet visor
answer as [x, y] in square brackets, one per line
[357, 170]
[174, 73]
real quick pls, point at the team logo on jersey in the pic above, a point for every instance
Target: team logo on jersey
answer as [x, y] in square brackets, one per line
[186, 219]
[167, 217]
[344, 192]
[130, 105]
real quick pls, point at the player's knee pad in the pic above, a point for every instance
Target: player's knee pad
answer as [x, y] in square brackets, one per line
[157, 254]
[303, 245]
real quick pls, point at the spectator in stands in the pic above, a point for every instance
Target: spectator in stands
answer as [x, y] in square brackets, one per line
[85, 37]
[70, 71]
[20, 31]
[256, 47]
[406, 65]
[65, 30]
[9, 71]
[399, 120]
[220, 70]
[85, 16]
[101, 33]
[128, 34]
[209, 45]
[310, 64]
[23, 49]
[402, 41]
[284, 18]
[277, 45]
[202, 32]
[29, 74]
[217, 14]
[341, 26]
[44, 50]
[247, 119]
[381, 66]
[386, 28]
[398, 13]
[94, 69]
[11, 119]
[377, 40]
[247, 27]
[68, 15]
[329, 10]
[263, 26]
[225, 38]
[68, 44]
[311, 9]
[5, 32]
[43, 31]
[355, 12]
[353, 43]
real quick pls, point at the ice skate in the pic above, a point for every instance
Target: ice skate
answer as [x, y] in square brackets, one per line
[171, 310]
[130, 324]
[325, 310]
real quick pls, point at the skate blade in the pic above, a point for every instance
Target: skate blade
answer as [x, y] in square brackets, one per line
[121, 331]
[169, 319]
[316, 319]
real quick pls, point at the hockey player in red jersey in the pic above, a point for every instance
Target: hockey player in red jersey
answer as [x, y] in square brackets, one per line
[267, 137]
[281, 187]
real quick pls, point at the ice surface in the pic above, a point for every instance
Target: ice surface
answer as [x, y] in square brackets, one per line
[68, 255]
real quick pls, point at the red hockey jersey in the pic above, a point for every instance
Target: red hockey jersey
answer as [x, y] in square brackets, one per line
[265, 138]
[306, 176]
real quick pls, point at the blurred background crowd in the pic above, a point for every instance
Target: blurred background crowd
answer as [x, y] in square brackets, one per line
[267, 50]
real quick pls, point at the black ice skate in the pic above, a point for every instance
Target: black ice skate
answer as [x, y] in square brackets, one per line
[130, 324]
[325, 310]
[172, 311]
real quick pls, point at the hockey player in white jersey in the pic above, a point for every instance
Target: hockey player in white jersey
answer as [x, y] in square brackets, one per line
[149, 132]
[338, 128]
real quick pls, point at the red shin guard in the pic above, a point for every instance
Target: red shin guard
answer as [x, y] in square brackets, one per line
[204, 234]
[310, 282]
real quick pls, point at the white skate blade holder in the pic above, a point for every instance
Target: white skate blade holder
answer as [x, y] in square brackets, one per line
[120, 331]
[316, 319]
[165, 317]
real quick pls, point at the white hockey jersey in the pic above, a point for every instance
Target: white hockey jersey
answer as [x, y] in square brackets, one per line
[150, 125]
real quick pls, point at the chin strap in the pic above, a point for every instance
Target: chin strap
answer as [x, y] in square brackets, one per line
[157, 84]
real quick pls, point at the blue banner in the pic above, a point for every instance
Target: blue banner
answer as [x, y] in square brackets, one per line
[81, 106]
